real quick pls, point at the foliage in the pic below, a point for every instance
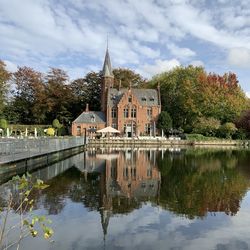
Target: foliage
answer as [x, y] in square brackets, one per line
[164, 121]
[50, 132]
[20, 202]
[227, 130]
[188, 93]
[86, 90]
[3, 123]
[56, 124]
[206, 126]
[58, 93]
[243, 122]
[128, 77]
[28, 96]
[4, 78]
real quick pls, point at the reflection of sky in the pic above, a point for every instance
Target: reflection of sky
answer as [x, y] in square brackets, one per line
[149, 227]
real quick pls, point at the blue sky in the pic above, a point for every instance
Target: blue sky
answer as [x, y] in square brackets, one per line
[148, 36]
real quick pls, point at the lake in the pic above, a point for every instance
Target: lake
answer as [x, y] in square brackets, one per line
[147, 199]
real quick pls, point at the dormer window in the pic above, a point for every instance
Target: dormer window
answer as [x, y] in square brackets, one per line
[130, 99]
[93, 118]
[144, 98]
[151, 99]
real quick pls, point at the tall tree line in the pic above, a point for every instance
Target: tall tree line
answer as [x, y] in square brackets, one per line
[192, 99]
[31, 97]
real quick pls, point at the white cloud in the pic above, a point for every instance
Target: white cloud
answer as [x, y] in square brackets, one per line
[10, 66]
[181, 52]
[197, 63]
[239, 57]
[159, 66]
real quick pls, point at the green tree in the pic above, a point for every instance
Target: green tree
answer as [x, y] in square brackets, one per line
[164, 121]
[127, 77]
[4, 78]
[86, 90]
[29, 100]
[242, 123]
[58, 94]
[206, 126]
[188, 93]
[227, 130]
[57, 125]
[3, 123]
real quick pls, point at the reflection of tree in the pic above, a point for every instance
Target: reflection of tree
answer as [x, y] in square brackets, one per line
[57, 192]
[201, 181]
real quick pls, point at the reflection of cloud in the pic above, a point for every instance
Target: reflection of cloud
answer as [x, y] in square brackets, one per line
[149, 227]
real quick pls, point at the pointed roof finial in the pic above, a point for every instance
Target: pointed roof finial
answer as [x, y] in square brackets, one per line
[107, 68]
[107, 41]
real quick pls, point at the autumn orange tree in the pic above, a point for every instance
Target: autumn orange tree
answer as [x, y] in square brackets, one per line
[190, 93]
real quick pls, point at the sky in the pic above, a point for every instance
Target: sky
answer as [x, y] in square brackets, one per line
[148, 36]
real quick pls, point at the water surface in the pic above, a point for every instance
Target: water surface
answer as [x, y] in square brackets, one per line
[147, 199]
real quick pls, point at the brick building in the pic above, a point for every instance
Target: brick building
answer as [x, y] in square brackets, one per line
[132, 111]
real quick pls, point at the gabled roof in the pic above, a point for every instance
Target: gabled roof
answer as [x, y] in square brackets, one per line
[146, 97]
[107, 68]
[91, 117]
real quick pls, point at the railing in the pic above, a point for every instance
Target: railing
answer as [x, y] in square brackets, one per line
[15, 149]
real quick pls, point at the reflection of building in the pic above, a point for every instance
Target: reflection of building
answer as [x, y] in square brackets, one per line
[132, 111]
[132, 175]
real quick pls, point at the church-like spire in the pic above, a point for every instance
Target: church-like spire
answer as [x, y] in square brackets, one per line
[107, 68]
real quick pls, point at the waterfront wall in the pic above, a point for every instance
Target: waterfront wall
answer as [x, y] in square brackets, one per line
[12, 150]
[10, 169]
[161, 142]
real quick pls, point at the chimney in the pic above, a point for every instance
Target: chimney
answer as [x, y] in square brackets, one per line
[87, 108]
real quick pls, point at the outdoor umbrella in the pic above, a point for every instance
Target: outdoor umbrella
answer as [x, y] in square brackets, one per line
[108, 130]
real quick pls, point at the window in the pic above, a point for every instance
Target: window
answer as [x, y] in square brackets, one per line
[113, 113]
[149, 112]
[125, 112]
[133, 112]
[92, 118]
[78, 130]
[151, 99]
[114, 125]
[147, 128]
[129, 99]
[144, 98]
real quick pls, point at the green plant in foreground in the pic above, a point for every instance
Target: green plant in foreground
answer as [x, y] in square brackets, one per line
[20, 202]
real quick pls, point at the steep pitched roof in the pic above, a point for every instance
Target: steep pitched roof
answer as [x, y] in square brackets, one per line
[107, 68]
[146, 97]
[91, 117]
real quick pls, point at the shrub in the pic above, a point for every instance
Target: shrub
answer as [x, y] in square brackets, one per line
[50, 132]
[206, 126]
[3, 123]
[164, 121]
[227, 130]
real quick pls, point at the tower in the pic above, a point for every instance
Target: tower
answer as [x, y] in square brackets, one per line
[107, 80]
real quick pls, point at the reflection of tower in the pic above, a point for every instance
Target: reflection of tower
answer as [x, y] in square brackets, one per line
[132, 175]
[105, 198]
